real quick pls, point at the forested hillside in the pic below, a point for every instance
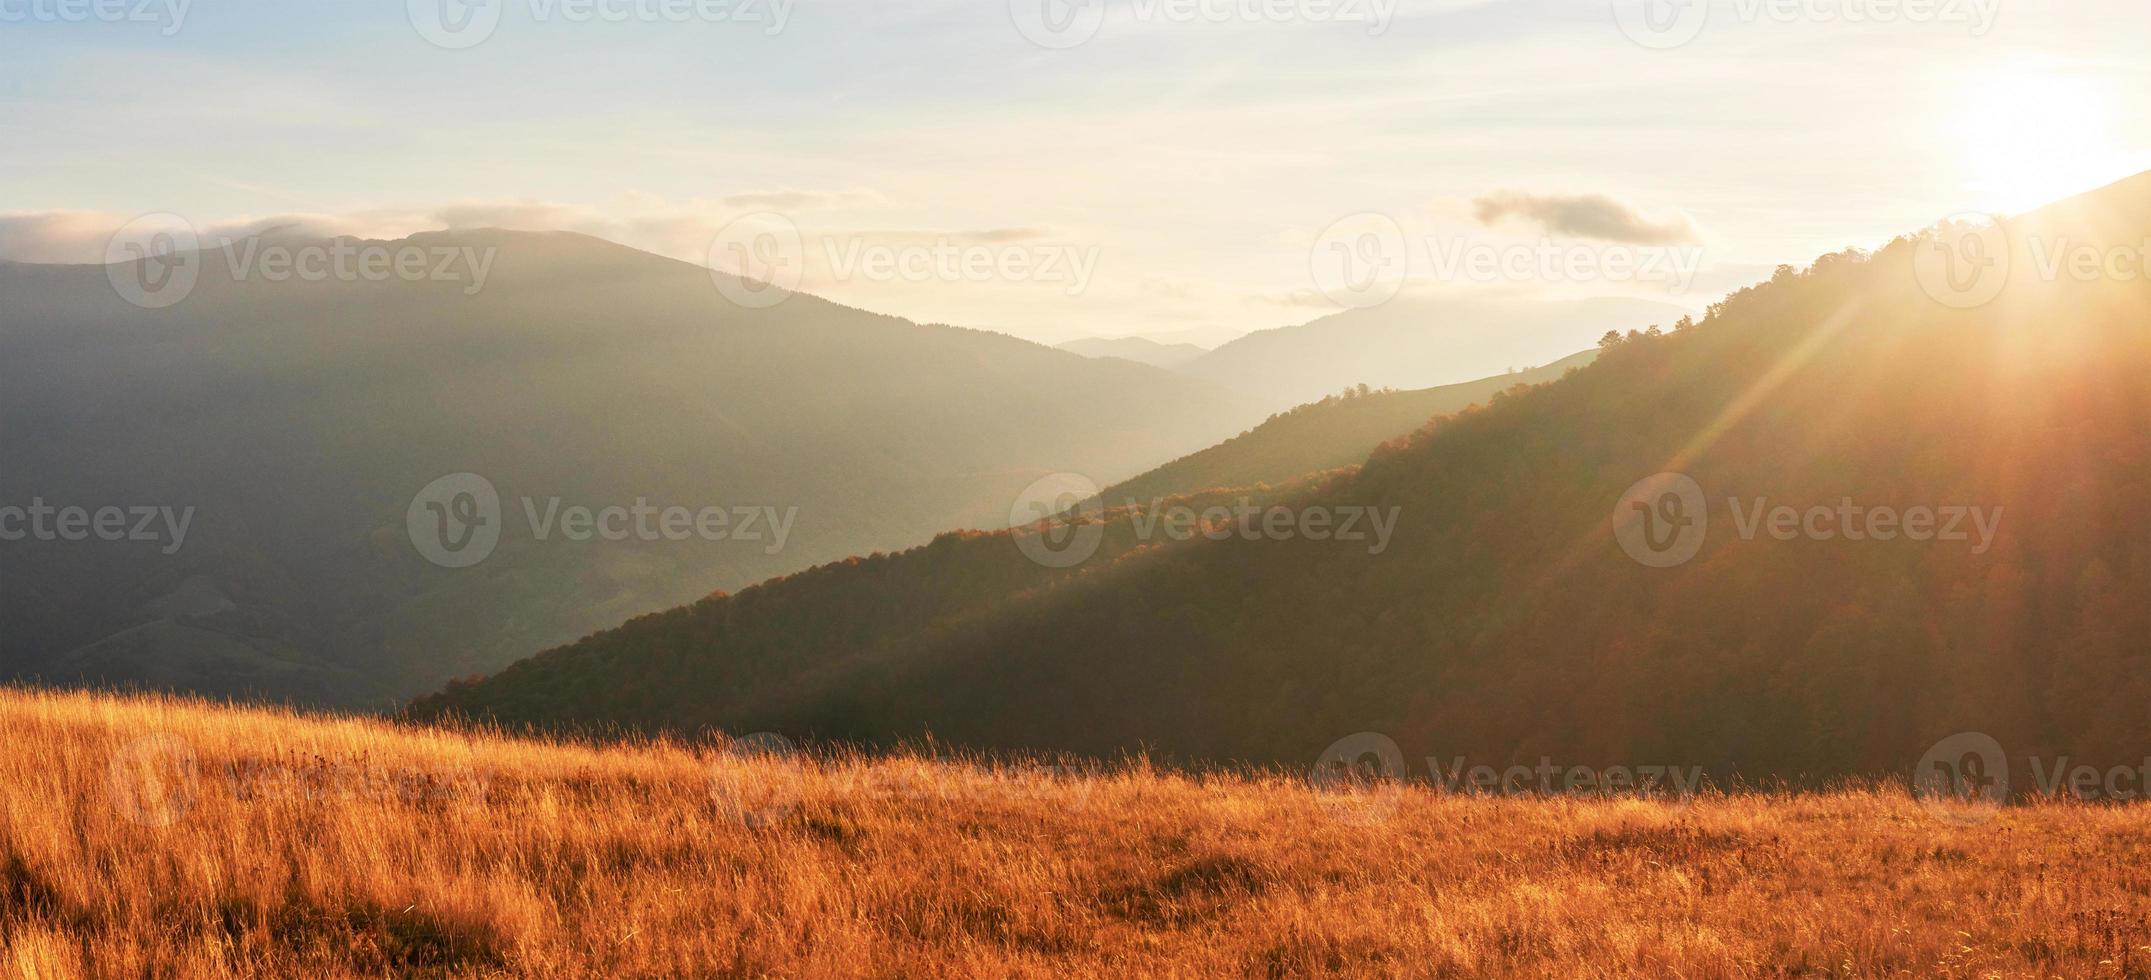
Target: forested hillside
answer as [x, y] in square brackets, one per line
[1507, 622]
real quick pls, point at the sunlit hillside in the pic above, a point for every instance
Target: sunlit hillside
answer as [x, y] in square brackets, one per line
[154, 837]
[1505, 619]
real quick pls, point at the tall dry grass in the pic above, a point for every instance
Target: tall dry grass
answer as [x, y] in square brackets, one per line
[157, 837]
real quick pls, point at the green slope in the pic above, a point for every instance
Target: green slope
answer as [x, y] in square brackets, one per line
[1336, 431]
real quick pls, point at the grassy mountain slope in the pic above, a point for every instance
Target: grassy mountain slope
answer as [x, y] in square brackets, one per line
[300, 418]
[1506, 623]
[1334, 432]
[158, 838]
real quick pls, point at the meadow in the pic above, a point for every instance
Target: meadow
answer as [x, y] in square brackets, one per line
[153, 836]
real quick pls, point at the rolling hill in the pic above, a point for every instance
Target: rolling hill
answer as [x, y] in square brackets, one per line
[295, 422]
[1417, 341]
[1506, 621]
[1339, 430]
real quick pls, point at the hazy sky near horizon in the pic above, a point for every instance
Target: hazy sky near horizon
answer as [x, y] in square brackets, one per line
[1181, 171]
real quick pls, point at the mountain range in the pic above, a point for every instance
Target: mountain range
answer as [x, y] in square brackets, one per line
[1847, 513]
[1138, 349]
[297, 421]
[1417, 340]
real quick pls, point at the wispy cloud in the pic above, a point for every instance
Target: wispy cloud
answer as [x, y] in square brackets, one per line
[1595, 216]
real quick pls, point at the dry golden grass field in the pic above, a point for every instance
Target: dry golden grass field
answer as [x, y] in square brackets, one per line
[156, 837]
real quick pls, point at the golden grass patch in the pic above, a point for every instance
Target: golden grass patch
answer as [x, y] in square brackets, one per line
[148, 836]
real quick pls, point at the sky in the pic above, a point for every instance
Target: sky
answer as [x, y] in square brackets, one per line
[1182, 169]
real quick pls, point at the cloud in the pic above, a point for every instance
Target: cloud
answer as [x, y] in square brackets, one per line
[1585, 216]
[56, 236]
[80, 237]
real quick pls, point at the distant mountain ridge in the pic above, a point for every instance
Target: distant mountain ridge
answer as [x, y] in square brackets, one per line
[1418, 341]
[1137, 349]
[1508, 622]
[300, 419]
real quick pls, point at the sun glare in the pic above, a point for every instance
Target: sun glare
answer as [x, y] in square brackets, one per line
[2028, 137]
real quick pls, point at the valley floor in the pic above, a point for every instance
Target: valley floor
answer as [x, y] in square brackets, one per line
[150, 836]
